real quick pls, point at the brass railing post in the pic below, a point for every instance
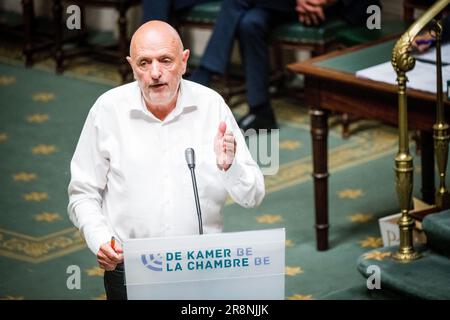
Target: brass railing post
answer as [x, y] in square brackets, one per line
[440, 128]
[403, 61]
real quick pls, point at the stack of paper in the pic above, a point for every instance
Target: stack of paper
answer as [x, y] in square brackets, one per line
[422, 77]
[430, 55]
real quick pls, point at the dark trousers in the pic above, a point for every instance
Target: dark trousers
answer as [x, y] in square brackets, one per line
[251, 21]
[115, 283]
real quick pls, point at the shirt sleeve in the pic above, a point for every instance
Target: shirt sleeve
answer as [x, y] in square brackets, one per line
[244, 180]
[89, 168]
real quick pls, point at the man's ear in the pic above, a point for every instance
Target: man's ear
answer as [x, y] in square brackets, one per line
[130, 61]
[184, 59]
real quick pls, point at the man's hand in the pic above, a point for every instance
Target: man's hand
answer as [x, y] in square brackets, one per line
[224, 147]
[311, 12]
[422, 42]
[108, 258]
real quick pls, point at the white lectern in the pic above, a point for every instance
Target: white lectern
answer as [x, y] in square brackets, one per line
[238, 265]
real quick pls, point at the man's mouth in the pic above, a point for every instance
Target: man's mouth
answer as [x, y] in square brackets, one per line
[157, 85]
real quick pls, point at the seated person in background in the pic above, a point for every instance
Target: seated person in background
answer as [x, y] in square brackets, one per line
[424, 41]
[129, 177]
[163, 9]
[250, 21]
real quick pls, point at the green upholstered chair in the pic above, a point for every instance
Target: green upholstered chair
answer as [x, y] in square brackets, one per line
[202, 15]
[318, 39]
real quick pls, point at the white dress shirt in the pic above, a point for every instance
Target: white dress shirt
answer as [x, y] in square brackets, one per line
[129, 176]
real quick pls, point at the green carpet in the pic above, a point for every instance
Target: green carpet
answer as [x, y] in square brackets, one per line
[41, 116]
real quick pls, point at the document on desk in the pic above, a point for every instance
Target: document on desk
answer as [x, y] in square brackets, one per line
[422, 77]
[430, 55]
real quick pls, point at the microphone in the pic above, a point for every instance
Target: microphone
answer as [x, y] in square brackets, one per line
[190, 160]
[190, 157]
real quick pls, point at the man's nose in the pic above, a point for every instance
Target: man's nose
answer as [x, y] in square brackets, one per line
[155, 70]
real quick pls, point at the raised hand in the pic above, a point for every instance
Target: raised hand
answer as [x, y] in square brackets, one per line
[224, 147]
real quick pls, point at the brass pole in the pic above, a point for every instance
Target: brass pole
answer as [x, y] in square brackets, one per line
[403, 61]
[440, 128]
[404, 166]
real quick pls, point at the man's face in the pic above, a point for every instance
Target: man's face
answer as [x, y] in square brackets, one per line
[158, 64]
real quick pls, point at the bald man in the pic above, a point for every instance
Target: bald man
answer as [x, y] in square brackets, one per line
[129, 177]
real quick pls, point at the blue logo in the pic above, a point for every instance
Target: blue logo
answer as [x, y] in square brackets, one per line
[153, 262]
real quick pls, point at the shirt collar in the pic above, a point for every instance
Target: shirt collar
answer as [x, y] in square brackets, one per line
[185, 101]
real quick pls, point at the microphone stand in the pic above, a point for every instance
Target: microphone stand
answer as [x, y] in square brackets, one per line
[197, 202]
[190, 159]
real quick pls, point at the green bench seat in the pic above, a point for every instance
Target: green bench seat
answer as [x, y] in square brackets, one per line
[204, 13]
[359, 35]
[296, 33]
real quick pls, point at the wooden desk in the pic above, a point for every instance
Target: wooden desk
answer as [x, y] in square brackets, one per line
[331, 85]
